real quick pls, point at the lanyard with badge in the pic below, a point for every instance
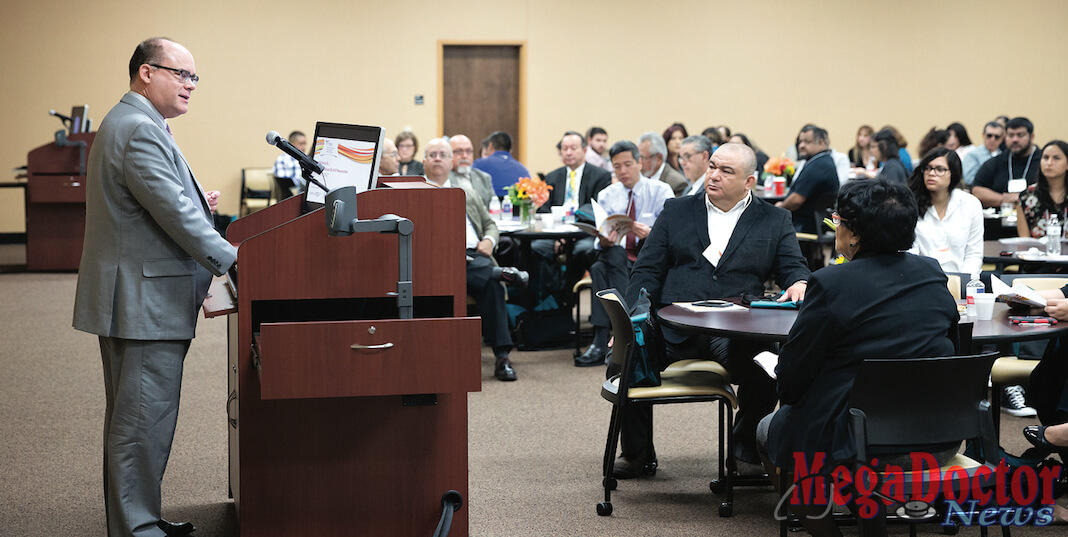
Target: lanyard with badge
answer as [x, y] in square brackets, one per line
[1020, 184]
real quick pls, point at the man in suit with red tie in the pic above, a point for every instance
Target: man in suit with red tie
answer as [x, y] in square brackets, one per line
[639, 198]
[718, 245]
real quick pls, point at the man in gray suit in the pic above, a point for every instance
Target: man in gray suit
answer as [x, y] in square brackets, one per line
[654, 152]
[463, 175]
[483, 274]
[149, 255]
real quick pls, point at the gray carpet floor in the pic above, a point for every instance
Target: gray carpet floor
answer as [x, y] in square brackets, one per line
[535, 444]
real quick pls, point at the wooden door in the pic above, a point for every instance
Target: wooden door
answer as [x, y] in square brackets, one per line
[481, 92]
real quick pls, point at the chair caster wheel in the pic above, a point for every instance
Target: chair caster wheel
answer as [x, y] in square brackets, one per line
[604, 509]
[609, 483]
[726, 510]
[717, 486]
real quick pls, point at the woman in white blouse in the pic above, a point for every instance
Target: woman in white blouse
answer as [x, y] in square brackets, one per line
[950, 228]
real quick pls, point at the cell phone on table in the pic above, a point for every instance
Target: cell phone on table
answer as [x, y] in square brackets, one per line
[1017, 319]
[713, 303]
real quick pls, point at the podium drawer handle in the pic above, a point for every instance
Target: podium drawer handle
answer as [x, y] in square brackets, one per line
[357, 346]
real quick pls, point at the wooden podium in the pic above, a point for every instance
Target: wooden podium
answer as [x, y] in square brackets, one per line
[326, 438]
[55, 203]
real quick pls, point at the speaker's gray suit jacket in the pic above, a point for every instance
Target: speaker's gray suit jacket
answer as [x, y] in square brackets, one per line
[150, 245]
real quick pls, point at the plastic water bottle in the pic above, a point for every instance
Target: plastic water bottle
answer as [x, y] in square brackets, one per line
[506, 208]
[975, 287]
[1053, 235]
[495, 208]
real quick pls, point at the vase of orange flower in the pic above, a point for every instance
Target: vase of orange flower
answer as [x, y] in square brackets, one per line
[528, 194]
[778, 174]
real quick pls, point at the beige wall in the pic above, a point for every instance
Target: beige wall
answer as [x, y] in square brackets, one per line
[764, 68]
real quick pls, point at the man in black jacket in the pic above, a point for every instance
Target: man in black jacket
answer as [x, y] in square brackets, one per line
[575, 187]
[719, 245]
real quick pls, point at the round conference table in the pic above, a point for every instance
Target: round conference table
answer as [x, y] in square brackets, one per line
[1014, 250]
[758, 324]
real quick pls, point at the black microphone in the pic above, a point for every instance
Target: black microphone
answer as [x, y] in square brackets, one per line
[57, 114]
[305, 161]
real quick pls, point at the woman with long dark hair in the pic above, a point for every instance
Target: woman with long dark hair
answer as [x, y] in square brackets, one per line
[1047, 196]
[959, 140]
[950, 225]
[673, 136]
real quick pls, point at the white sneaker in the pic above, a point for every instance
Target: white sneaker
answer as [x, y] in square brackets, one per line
[1012, 402]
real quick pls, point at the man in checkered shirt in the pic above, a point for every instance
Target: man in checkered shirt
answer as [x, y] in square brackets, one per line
[287, 167]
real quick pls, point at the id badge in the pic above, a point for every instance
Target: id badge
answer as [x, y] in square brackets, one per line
[1017, 185]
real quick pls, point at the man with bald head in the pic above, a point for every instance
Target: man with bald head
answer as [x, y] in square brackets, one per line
[150, 252]
[388, 164]
[463, 175]
[483, 274]
[723, 244]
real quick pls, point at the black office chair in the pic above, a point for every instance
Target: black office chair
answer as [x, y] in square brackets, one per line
[898, 403]
[813, 245]
[697, 386]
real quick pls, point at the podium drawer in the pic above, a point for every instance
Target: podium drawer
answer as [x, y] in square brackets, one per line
[369, 358]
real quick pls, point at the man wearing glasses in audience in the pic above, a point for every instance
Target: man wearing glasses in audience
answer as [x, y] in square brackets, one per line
[483, 274]
[463, 175]
[388, 164]
[642, 200]
[693, 157]
[723, 244]
[653, 151]
[993, 134]
[150, 252]
[1002, 178]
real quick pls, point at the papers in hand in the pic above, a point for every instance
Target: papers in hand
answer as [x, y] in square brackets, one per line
[1017, 294]
[767, 361]
[620, 223]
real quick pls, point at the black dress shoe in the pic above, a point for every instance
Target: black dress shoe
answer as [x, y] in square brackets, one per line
[176, 530]
[514, 276]
[1036, 434]
[504, 370]
[593, 356]
[625, 468]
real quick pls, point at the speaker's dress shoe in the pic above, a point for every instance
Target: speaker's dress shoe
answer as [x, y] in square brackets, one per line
[643, 464]
[504, 370]
[593, 356]
[514, 276]
[176, 530]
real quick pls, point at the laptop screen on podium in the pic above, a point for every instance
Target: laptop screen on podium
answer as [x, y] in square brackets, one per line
[349, 155]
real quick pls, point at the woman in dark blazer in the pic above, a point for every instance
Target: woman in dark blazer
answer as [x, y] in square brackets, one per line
[883, 303]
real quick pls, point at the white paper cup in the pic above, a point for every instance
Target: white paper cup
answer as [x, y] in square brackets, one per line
[984, 306]
[547, 219]
[559, 211]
